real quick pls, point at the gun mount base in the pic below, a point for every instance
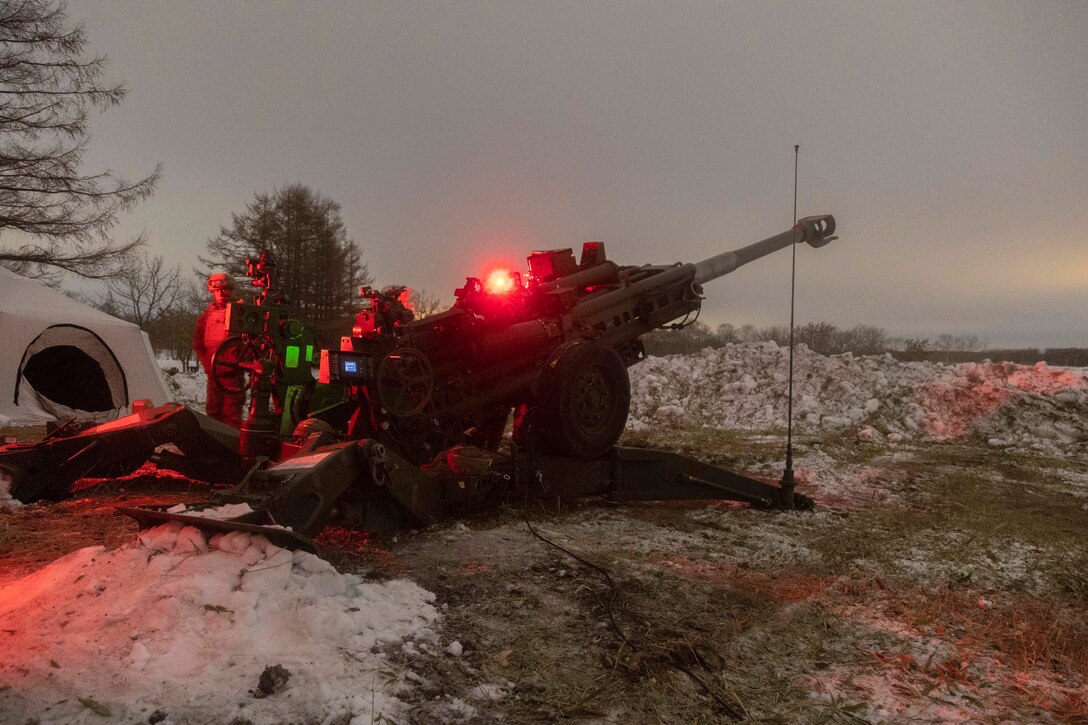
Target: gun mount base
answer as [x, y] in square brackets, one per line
[363, 485]
[47, 469]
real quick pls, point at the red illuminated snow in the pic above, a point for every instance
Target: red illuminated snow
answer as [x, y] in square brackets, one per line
[185, 625]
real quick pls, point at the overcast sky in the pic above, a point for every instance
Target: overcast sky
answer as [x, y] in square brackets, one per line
[949, 139]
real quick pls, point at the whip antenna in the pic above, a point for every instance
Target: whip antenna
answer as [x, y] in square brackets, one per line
[787, 482]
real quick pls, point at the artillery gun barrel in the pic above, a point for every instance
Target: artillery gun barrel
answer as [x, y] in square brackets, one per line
[816, 230]
[677, 274]
[602, 273]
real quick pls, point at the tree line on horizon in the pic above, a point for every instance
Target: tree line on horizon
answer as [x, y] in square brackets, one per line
[828, 339]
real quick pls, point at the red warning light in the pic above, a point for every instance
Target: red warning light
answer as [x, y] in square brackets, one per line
[499, 282]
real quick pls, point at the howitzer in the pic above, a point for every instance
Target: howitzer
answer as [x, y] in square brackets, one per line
[405, 421]
[554, 348]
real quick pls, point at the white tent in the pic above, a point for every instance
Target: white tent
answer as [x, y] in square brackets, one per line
[60, 358]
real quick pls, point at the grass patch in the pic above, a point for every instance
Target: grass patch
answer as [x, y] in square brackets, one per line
[22, 433]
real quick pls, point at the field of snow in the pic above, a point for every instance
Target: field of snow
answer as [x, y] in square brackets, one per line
[941, 578]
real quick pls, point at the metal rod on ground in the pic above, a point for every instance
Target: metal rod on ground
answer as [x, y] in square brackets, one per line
[787, 482]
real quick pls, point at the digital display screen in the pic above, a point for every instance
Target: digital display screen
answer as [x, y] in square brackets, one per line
[352, 368]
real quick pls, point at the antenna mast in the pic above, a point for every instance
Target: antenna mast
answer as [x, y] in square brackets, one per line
[787, 483]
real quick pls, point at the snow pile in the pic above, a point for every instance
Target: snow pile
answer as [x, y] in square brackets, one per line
[186, 388]
[7, 501]
[744, 386]
[182, 627]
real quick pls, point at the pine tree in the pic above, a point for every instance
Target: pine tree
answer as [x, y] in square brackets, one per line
[318, 267]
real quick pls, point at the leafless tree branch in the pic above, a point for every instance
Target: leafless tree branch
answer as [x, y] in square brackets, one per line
[47, 87]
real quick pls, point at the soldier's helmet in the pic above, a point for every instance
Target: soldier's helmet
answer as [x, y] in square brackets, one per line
[220, 280]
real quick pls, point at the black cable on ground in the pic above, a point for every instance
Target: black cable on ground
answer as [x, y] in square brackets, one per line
[735, 710]
[603, 572]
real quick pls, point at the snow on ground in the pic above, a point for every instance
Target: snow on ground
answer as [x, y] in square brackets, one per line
[7, 501]
[187, 388]
[743, 387]
[219, 513]
[185, 626]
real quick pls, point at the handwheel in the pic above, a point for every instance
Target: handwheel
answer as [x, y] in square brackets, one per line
[405, 382]
[236, 356]
[231, 359]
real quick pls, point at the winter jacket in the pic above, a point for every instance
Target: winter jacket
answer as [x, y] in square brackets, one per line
[211, 331]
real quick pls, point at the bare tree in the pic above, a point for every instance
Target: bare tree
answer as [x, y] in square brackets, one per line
[59, 214]
[425, 304]
[173, 330]
[726, 333]
[945, 342]
[144, 291]
[867, 340]
[915, 348]
[821, 337]
[779, 334]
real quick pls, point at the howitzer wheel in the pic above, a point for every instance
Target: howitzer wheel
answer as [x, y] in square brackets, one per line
[584, 397]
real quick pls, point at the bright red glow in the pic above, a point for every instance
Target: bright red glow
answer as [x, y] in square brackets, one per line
[499, 282]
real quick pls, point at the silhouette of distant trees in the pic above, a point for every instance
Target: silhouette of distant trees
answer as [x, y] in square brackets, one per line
[142, 292]
[153, 295]
[822, 337]
[423, 304]
[827, 339]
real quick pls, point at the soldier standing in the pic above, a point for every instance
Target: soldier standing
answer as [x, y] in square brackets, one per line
[211, 331]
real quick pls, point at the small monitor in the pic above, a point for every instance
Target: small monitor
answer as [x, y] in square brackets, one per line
[348, 367]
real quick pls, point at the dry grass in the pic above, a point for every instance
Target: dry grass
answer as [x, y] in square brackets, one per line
[962, 508]
[1026, 633]
[39, 534]
[1025, 654]
[357, 551]
[22, 433]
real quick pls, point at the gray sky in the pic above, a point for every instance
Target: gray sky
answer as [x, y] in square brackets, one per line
[950, 140]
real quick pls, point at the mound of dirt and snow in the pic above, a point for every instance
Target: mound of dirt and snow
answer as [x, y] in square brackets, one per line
[744, 387]
[178, 627]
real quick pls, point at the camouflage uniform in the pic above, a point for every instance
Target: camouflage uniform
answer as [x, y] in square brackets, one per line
[211, 331]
